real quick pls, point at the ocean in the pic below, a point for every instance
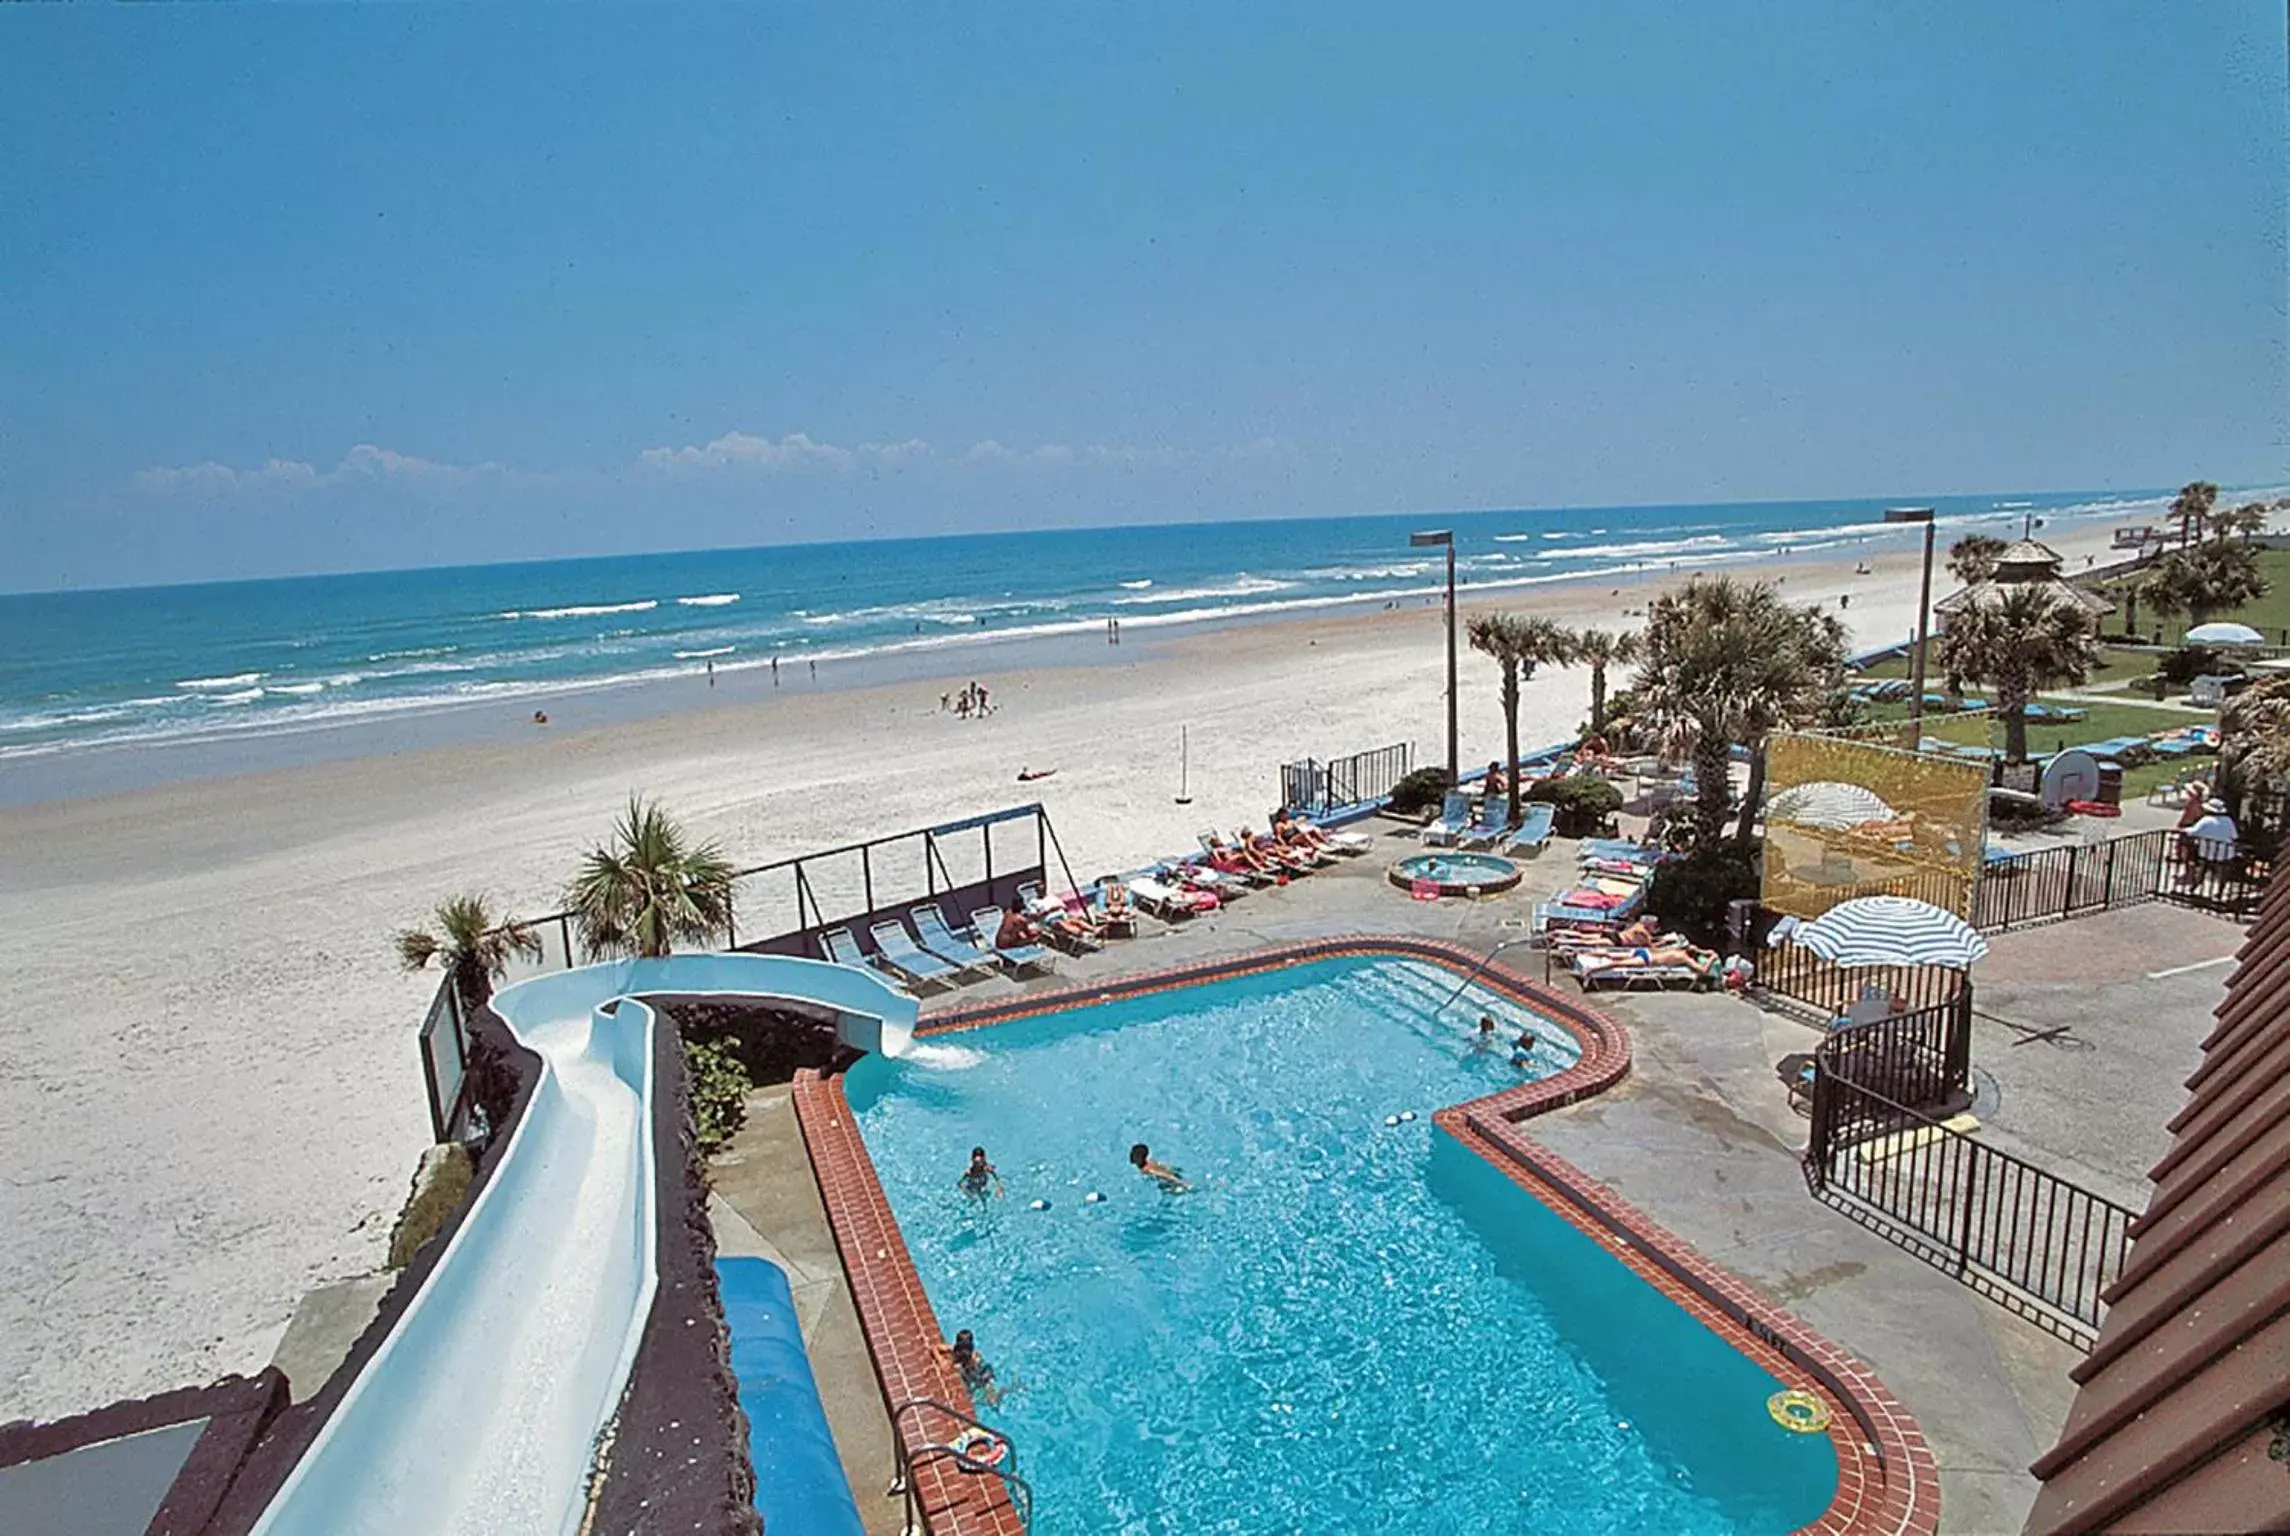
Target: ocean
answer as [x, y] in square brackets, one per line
[88, 670]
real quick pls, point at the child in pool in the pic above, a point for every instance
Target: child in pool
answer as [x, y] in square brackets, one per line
[1523, 1050]
[1170, 1180]
[977, 1375]
[1485, 1039]
[980, 1179]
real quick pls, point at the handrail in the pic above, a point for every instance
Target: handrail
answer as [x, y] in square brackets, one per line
[902, 1482]
[1478, 970]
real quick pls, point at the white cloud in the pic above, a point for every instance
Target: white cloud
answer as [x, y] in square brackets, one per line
[212, 479]
[365, 462]
[1064, 455]
[744, 450]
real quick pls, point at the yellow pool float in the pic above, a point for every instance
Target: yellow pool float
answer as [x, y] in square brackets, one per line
[1799, 1410]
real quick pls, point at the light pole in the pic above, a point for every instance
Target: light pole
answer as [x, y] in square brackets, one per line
[1429, 540]
[1923, 609]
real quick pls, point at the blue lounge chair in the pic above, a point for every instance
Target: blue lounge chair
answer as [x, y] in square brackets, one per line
[843, 948]
[1619, 849]
[988, 922]
[1534, 832]
[1487, 831]
[1454, 816]
[902, 954]
[931, 927]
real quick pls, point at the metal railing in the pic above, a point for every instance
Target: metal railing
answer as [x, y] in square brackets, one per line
[2040, 1244]
[1004, 1466]
[2050, 884]
[1318, 788]
[1795, 973]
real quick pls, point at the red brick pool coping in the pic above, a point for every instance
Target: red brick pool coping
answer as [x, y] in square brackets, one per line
[1887, 1481]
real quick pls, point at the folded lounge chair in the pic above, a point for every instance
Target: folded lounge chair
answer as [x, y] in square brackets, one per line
[903, 955]
[941, 940]
[1493, 821]
[987, 922]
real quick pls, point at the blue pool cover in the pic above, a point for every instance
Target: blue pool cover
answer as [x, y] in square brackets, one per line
[800, 1489]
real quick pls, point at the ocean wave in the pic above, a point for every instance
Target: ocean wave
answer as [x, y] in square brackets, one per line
[235, 680]
[1367, 572]
[1844, 532]
[1640, 549]
[1135, 586]
[583, 610]
[243, 696]
[1243, 585]
[709, 600]
[721, 650]
[414, 654]
[297, 688]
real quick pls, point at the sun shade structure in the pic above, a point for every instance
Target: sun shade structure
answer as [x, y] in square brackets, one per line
[1826, 803]
[1892, 930]
[2025, 563]
[2223, 633]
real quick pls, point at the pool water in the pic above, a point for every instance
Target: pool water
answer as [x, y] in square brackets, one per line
[1348, 1325]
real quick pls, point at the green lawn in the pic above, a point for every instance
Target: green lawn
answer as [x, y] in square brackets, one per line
[2118, 664]
[2100, 722]
[2270, 615]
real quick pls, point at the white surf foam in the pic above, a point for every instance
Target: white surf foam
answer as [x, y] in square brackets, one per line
[583, 610]
[235, 680]
[710, 600]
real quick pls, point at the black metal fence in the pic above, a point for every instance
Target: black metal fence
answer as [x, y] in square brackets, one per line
[2050, 884]
[1318, 788]
[2041, 1244]
[1795, 974]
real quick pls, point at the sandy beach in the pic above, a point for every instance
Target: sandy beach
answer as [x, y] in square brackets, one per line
[209, 1093]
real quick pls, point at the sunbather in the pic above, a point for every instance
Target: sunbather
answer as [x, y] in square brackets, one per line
[1495, 783]
[1017, 930]
[1293, 832]
[1236, 858]
[1294, 860]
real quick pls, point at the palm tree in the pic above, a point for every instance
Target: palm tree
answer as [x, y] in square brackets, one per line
[1519, 643]
[2254, 738]
[1972, 558]
[2211, 578]
[649, 887]
[2131, 589]
[2027, 640]
[2244, 522]
[2190, 509]
[1726, 661]
[1603, 648]
[473, 945]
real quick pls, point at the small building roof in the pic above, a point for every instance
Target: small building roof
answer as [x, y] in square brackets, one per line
[2180, 1423]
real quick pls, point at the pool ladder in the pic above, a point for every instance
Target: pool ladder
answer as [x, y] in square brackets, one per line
[1020, 1491]
[1478, 970]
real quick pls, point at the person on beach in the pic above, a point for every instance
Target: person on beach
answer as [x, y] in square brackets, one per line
[775, 671]
[540, 717]
[1028, 775]
[980, 1179]
[711, 674]
[977, 1375]
[1171, 1181]
[814, 669]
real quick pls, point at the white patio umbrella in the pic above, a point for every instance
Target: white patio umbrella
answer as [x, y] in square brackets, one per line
[2223, 633]
[1892, 930]
[1826, 803]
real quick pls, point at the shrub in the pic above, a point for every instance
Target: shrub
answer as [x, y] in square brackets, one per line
[1582, 802]
[719, 1092]
[2187, 663]
[1690, 894]
[1420, 790]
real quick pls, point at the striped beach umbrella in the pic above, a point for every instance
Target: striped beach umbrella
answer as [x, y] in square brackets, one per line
[1826, 803]
[2224, 634]
[1892, 930]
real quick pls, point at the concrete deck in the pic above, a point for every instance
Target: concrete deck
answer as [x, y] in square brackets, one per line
[1702, 1137]
[766, 1205]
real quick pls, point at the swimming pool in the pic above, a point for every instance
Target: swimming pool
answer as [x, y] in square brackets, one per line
[1352, 1323]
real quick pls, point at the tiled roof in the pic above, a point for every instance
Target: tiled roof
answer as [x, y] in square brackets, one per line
[2179, 1424]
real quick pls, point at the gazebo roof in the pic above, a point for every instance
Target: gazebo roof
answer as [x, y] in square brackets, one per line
[2024, 563]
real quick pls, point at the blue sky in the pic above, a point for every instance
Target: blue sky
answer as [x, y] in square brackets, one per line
[292, 289]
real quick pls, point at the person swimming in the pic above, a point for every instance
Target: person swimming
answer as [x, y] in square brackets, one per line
[1170, 1180]
[1523, 1049]
[977, 1375]
[979, 1178]
[1485, 1040]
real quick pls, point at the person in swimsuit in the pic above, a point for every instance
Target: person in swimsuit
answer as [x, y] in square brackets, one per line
[977, 1375]
[1485, 1040]
[1523, 1049]
[980, 1179]
[1171, 1181]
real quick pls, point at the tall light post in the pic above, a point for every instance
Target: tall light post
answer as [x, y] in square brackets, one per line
[1923, 610]
[1435, 538]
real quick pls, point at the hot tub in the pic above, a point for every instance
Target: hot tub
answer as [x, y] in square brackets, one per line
[1457, 874]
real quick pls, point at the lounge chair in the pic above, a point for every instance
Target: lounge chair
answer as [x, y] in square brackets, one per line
[842, 947]
[1534, 832]
[986, 922]
[1595, 968]
[1225, 859]
[1348, 843]
[1225, 886]
[903, 955]
[1122, 925]
[1493, 821]
[1168, 902]
[1558, 911]
[1454, 816]
[931, 926]
[1620, 850]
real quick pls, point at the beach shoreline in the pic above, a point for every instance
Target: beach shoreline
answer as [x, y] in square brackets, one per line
[211, 1094]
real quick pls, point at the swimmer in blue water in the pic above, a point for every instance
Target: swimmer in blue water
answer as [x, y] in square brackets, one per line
[980, 1180]
[1171, 1181]
[1523, 1050]
[977, 1375]
[1485, 1039]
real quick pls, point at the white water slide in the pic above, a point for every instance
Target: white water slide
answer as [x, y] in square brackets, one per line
[481, 1411]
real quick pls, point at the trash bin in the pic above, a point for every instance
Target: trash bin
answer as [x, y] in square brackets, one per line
[2110, 782]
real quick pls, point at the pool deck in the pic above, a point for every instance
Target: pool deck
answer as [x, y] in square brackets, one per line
[1701, 1138]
